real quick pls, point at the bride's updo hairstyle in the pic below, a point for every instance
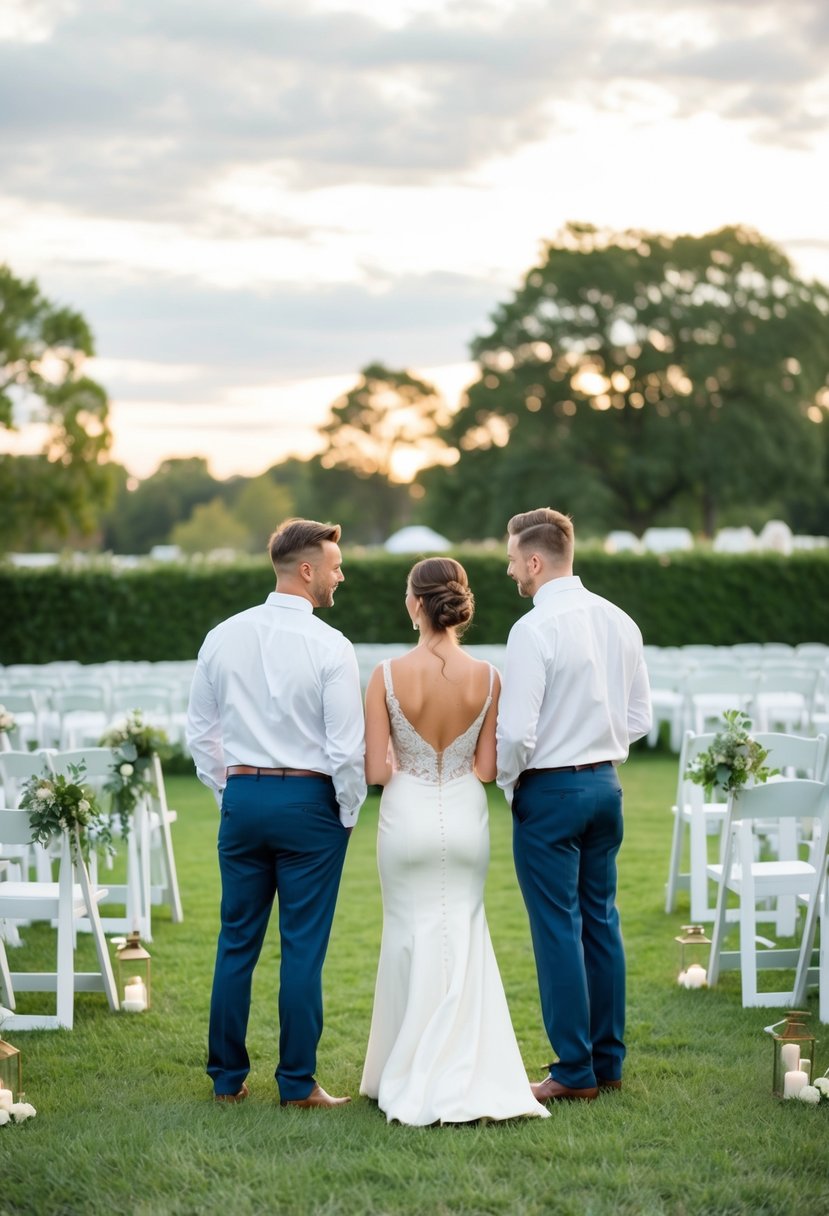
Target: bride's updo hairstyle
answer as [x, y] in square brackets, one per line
[440, 583]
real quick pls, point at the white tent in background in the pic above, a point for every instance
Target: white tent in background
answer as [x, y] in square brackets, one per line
[735, 540]
[417, 539]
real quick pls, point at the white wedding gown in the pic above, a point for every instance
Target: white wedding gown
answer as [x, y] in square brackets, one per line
[441, 1047]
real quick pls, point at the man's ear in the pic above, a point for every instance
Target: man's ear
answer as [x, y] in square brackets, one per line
[305, 571]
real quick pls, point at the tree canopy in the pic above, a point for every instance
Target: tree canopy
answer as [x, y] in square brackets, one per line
[633, 375]
[43, 348]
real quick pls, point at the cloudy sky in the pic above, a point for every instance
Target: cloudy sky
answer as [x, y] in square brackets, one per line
[251, 201]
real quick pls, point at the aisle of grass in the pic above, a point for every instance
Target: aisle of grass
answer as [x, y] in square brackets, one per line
[125, 1124]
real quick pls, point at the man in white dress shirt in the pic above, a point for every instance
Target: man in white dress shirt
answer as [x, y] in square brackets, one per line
[575, 695]
[275, 727]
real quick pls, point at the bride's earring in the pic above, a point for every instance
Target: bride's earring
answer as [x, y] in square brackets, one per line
[415, 625]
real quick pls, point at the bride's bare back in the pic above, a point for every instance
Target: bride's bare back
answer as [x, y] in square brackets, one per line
[441, 690]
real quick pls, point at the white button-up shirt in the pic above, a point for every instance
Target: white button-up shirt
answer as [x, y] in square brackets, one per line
[575, 686]
[276, 687]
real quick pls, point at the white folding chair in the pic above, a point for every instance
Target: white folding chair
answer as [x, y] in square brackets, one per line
[64, 902]
[741, 874]
[82, 712]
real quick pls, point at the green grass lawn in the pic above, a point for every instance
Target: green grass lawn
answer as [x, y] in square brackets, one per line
[125, 1123]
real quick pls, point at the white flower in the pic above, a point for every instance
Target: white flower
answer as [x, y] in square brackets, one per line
[21, 1111]
[83, 806]
[822, 1084]
[4, 1116]
[126, 770]
[46, 794]
[807, 1094]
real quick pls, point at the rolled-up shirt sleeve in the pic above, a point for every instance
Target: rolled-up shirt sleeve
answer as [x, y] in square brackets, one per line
[204, 732]
[640, 714]
[345, 732]
[521, 696]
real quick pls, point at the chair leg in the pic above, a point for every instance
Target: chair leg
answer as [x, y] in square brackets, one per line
[101, 950]
[699, 861]
[719, 919]
[65, 977]
[6, 989]
[675, 861]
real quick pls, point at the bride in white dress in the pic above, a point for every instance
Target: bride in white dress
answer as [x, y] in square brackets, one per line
[441, 1048]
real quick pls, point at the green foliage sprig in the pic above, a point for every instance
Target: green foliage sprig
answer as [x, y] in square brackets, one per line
[60, 804]
[733, 758]
[135, 743]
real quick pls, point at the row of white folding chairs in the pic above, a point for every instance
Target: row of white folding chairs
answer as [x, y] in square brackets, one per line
[81, 715]
[788, 697]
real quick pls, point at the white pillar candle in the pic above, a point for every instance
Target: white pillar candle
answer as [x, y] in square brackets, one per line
[135, 996]
[790, 1055]
[793, 1082]
[696, 976]
[6, 1099]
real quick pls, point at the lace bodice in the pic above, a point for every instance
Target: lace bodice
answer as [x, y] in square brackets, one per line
[415, 756]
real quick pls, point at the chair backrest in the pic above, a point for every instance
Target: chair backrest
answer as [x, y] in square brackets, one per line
[85, 698]
[16, 767]
[98, 762]
[795, 799]
[692, 745]
[15, 827]
[805, 754]
[725, 680]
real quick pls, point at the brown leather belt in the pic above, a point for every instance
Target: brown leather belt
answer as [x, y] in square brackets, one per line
[248, 770]
[567, 768]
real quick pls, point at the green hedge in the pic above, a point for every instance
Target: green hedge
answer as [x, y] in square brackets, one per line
[163, 612]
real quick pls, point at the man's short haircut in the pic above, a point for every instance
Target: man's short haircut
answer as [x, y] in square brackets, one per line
[544, 531]
[293, 539]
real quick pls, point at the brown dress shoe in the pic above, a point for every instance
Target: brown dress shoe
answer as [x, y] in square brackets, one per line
[317, 1097]
[552, 1091]
[603, 1084]
[239, 1097]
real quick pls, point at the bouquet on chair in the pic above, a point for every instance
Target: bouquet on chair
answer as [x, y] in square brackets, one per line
[59, 804]
[734, 758]
[135, 743]
[7, 721]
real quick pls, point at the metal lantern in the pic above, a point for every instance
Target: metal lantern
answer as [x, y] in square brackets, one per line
[133, 963]
[11, 1071]
[794, 1054]
[693, 955]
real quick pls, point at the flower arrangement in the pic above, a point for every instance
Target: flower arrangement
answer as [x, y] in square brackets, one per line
[135, 742]
[7, 721]
[816, 1094]
[733, 759]
[59, 804]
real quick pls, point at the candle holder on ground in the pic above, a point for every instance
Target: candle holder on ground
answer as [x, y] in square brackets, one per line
[794, 1054]
[133, 964]
[11, 1070]
[693, 955]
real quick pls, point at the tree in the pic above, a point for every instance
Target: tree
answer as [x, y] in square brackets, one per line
[633, 374]
[259, 506]
[388, 424]
[43, 348]
[145, 516]
[379, 434]
[211, 526]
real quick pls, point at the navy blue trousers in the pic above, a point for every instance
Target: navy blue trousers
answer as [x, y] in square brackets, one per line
[279, 837]
[567, 829]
